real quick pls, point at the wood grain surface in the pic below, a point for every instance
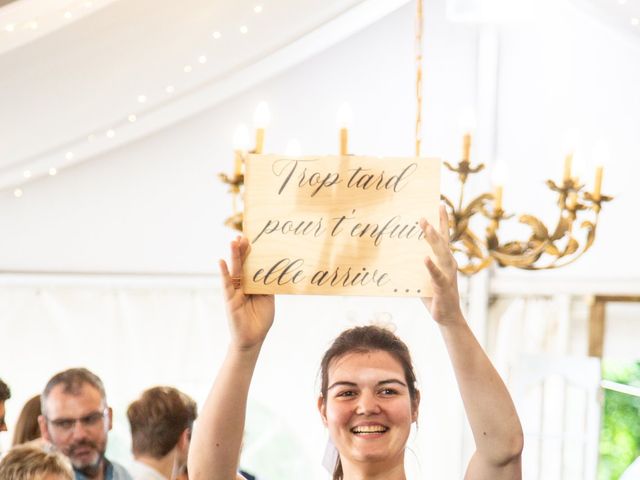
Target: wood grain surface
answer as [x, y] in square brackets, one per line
[338, 225]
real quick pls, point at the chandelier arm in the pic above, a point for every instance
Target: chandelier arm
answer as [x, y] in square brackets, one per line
[520, 260]
[528, 261]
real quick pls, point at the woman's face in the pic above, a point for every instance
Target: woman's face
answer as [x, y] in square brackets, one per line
[367, 408]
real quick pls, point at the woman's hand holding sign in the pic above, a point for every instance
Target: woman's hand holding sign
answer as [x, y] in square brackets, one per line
[250, 316]
[443, 270]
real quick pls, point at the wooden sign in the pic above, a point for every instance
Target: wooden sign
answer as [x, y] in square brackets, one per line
[339, 225]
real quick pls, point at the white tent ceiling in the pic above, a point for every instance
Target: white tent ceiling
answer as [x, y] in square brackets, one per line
[73, 80]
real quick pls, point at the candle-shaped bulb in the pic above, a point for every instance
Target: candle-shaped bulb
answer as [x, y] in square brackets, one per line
[261, 119]
[569, 145]
[597, 184]
[262, 115]
[293, 148]
[467, 121]
[602, 156]
[497, 198]
[241, 138]
[240, 145]
[579, 165]
[344, 119]
[570, 141]
[499, 175]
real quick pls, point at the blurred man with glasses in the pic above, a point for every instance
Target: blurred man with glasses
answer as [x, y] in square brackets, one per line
[76, 420]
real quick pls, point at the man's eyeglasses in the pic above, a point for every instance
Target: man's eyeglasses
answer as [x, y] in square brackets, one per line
[88, 421]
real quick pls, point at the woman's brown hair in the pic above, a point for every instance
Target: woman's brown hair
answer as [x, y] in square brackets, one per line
[362, 340]
[27, 427]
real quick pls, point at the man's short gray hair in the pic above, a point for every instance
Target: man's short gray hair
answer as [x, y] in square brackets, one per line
[72, 381]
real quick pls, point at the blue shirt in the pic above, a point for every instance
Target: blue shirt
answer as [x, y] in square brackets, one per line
[113, 471]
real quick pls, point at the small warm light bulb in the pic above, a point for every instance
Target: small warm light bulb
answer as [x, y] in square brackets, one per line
[69, 155]
[10, 27]
[499, 173]
[53, 171]
[170, 89]
[498, 178]
[569, 145]
[570, 140]
[142, 98]
[68, 15]
[244, 29]
[202, 59]
[580, 165]
[26, 174]
[241, 138]
[257, 8]
[187, 68]
[601, 158]
[111, 133]
[91, 137]
[262, 116]
[33, 25]
[293, 148]
[17, 192]
[132, 118]
[216, 35]
[601, 153]
[635, 21]
[467, 120]
[344, 117]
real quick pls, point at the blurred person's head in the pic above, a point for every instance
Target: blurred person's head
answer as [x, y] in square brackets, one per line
[161, 422]
[76, 418]
[31, 463]
[5, 394]
[27, 427]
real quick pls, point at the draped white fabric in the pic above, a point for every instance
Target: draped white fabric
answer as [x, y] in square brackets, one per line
[555, 393]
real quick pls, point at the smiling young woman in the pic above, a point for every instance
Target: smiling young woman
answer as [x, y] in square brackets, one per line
[368, 398]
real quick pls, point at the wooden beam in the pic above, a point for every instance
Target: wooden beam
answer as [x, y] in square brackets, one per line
[596, 327]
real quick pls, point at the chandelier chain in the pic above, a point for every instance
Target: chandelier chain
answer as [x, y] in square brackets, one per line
[418, 52]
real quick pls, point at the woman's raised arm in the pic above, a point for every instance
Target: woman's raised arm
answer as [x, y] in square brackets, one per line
[490, 410]
[217, 438]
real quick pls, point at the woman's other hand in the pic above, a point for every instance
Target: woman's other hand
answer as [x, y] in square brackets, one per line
[443, 270]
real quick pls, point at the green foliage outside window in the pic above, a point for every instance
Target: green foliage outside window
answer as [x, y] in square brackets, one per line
[620, 434]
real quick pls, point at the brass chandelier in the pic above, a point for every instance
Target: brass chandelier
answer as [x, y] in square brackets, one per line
[545, 248]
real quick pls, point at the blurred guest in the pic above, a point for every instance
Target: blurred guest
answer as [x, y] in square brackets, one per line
[5, 394]
[27, 428]
[161, 422]
[31, 463]
[76, 420]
